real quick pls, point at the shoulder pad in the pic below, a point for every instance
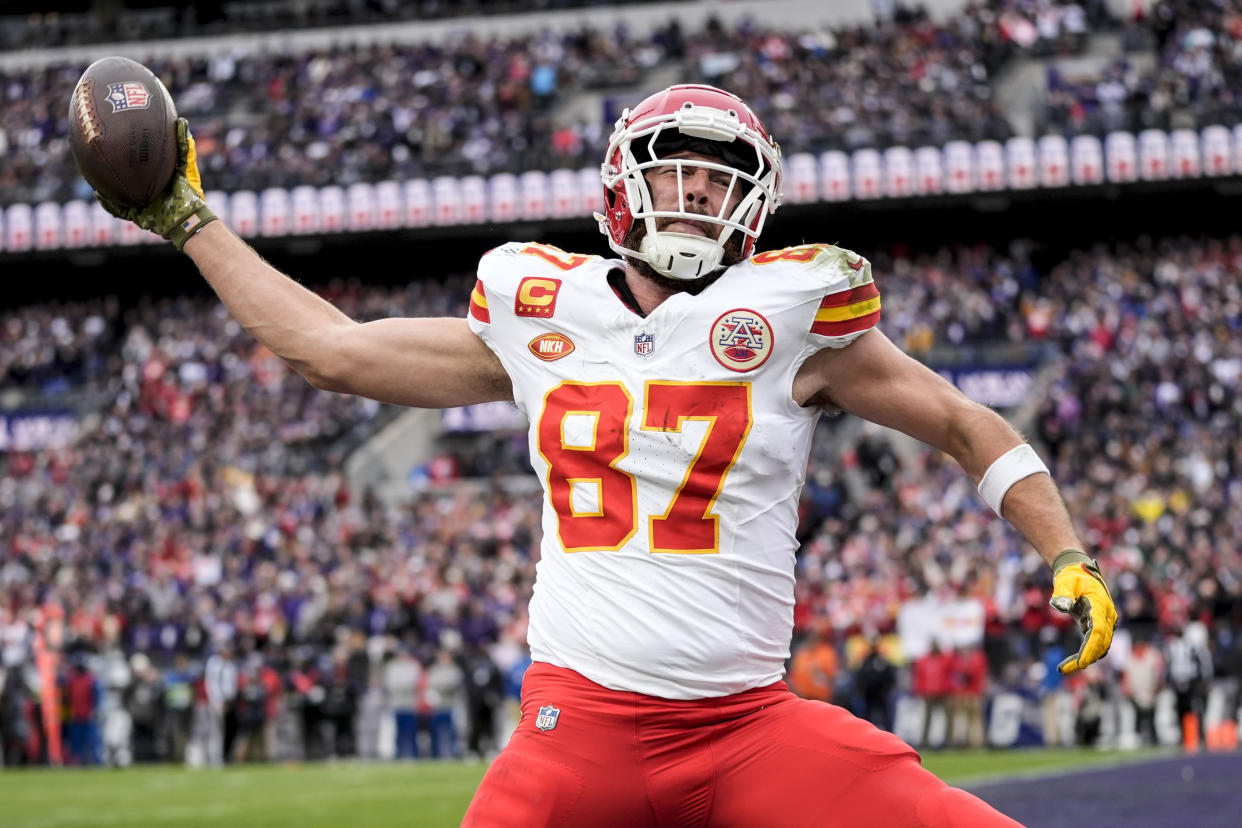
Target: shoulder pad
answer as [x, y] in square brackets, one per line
[826, 263]
[849, 302]
[514, 260]
[523, 276]
[534, 257]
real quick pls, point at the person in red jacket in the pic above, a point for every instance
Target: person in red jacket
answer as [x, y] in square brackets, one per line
[81, 696]
[968, 678]
[931, 684]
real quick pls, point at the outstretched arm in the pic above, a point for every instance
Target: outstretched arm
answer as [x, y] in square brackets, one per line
[873, 379]
[430, 363]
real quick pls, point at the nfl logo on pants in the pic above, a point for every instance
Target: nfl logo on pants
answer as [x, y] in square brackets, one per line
[546, 720]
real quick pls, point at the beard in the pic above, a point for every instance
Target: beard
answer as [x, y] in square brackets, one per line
[732, 255]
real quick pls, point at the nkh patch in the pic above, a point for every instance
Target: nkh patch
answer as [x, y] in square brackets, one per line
[551, 346]
[644, 344]
[548, 715]
[128, 95]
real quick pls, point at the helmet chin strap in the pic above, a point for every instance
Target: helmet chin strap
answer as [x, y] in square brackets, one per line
[680, 255]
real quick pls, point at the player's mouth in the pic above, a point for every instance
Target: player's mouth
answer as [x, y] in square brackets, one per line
[695, 228]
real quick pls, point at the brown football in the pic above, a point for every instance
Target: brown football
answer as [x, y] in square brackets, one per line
[123, 131]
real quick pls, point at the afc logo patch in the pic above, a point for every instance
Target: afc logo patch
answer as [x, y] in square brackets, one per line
[547, 718]
[741, 340]
[536, 296]
[128, 95]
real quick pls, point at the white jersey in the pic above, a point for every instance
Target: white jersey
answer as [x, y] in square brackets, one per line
[672, 455]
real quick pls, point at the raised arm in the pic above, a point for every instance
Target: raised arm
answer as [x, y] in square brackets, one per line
[873, 379]
[430, 363]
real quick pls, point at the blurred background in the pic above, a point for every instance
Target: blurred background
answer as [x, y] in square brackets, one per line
[204, 561]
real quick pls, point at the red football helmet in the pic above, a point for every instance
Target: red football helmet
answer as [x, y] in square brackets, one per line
[705, 120]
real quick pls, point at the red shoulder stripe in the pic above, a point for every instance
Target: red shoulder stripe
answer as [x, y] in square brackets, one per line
[847, 326]
[478, 303]
[850, 297]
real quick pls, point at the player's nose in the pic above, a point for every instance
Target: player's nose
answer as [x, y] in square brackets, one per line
[696, 185]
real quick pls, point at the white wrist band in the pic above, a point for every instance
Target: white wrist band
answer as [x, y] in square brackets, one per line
[1016, 464]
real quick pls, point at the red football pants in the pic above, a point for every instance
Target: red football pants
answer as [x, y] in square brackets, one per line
[760, 759]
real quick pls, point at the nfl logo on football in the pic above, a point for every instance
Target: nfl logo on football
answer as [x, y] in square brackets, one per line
[546, 720]
[644, 344]
[128, 95]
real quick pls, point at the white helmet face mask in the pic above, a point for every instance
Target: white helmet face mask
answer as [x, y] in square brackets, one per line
[687, 256]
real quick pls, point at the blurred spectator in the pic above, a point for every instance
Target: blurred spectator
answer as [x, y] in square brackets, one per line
[933, 684]
[814, 667]
[402, 675]
[1092, 704]
[308, 684]
[258, 700]
[113, 718]
[144, 700]
[1056, 704]
[967, 682]
[484, 695]
[874, 682]
[179, 706]
[220, 682]
[446, 692]
[1142, 682]
[340, 704]
[82, 701]
[1190, 668]
[19, 730]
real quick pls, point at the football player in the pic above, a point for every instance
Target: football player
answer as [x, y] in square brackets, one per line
[672, 396]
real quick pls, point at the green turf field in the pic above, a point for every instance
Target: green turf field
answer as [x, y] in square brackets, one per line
[423, 795]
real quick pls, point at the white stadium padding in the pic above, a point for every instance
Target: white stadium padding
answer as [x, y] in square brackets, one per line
[1086, 160]
[832, 176]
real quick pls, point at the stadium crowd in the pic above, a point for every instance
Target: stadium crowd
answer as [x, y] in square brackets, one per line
[468, 104]
[1193, 83]
[229, 596]
[348, 113]
[53, 29]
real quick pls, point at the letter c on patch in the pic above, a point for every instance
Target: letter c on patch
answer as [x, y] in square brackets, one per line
[536, 296]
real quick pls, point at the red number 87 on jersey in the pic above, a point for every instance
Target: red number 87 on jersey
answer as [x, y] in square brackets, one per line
[584, 432]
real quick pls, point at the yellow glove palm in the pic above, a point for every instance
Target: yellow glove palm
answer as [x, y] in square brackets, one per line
[1078, 589]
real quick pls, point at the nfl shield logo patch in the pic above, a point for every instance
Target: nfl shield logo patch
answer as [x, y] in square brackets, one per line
[644, 344]
[128, 95]
[546, 720]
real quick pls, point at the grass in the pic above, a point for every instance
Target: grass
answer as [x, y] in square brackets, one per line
[422, 795]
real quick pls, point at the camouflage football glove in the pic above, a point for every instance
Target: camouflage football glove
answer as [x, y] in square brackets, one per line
[1078, 589]
[181, 210]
